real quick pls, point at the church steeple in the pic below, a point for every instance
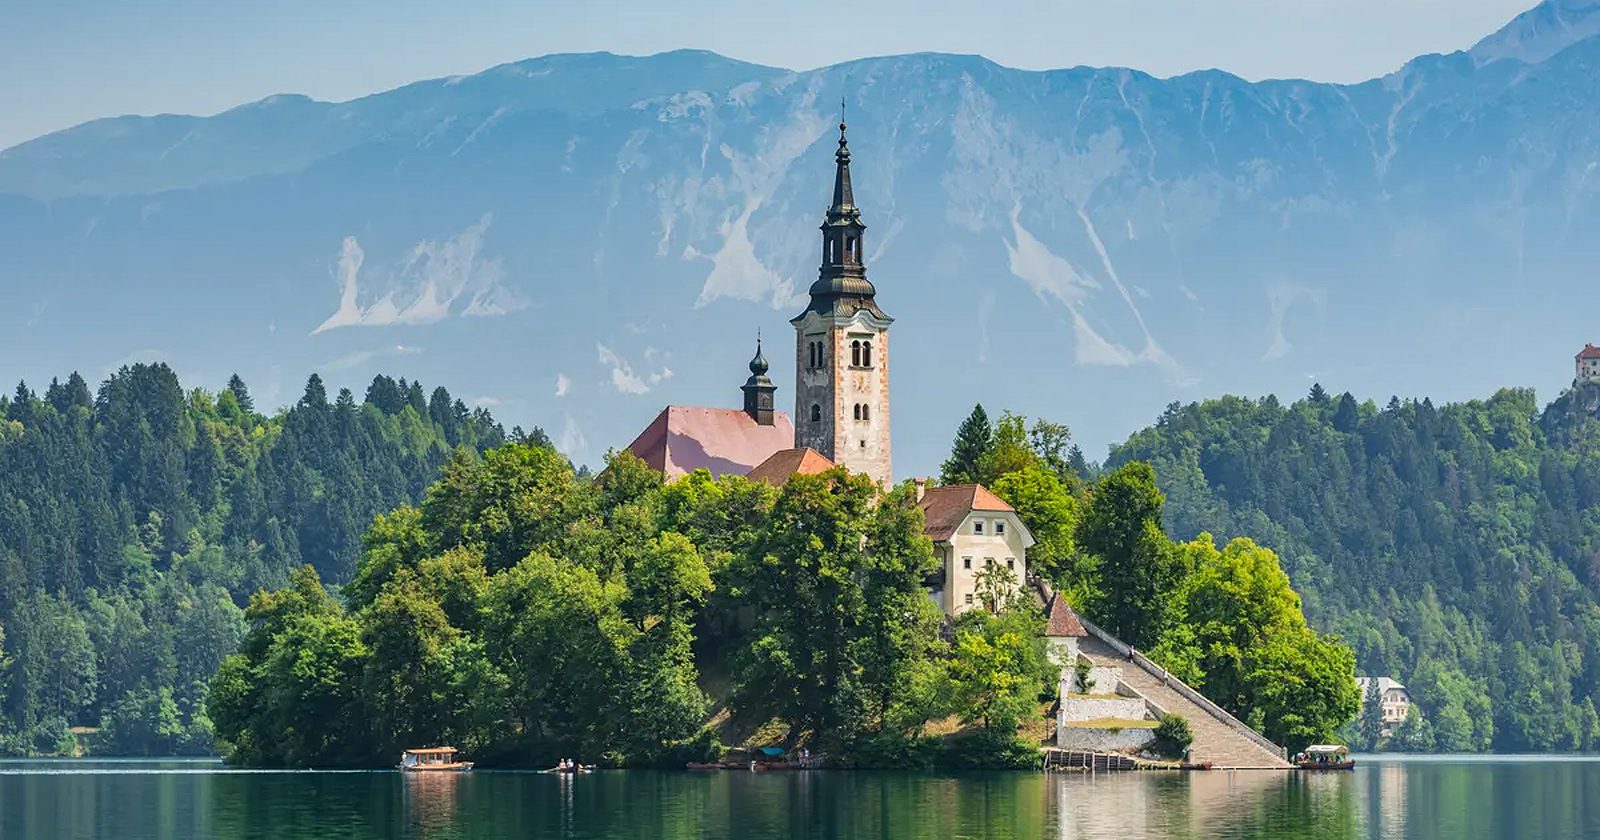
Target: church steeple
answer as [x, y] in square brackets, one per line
[842, 285]
[758, 389]
[841, 391]
[844, 199]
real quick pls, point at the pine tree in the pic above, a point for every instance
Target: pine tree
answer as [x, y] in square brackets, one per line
[1370, 724]
[973, 440]
[241, 394]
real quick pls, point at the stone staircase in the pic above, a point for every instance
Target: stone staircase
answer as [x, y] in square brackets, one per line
[1218, 738]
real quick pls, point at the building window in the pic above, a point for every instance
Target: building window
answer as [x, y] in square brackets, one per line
[866, 413]
[966, 562]
[850, 248]
[987, 562]
[866, 353]
[857, 411]
[816, 413]
[977, 526]
[969, 598]
[999, 528]
[855, 353]
[1011, 563]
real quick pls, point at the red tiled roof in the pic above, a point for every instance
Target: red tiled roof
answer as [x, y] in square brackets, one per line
[777, 469]
[725, 441]
[945, 507]
[1063, 620]
[1589, 351]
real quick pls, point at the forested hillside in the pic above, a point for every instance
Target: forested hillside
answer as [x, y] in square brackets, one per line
[136, 521]
[1456, 548]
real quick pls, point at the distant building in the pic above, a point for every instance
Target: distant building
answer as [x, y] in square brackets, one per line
[1587, 365]
[1392, 698]
[971, 529]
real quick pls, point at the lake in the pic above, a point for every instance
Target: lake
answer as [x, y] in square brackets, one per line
[1435, 797]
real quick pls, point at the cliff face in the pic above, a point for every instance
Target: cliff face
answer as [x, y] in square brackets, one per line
[583, 238]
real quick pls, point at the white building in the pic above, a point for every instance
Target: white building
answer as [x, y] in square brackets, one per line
[1587, 365]
[972, 529]
[1392, 698]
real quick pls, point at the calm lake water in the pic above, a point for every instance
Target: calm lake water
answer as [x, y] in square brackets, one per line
[1551, 797]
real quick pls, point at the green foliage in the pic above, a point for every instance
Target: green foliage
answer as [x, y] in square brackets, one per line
[973, 439]
[1052, 513]
[1227, 622]
[1140, 571]
[998, 668]
[835, 580]
[1172, 736]
[989, 748]
[1414, 734]
[1454, 548]
[1080, 673]
[1369, 724]
[135, 520]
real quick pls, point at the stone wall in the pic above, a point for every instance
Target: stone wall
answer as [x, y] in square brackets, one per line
[1088, 707]
[1105, 680]
[1104, 740]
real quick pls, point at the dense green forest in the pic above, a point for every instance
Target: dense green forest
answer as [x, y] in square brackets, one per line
[526, 612]
[136, 520]
[1455, 548]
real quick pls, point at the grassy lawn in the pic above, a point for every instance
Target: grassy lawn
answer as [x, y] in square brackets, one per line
[1113, 723]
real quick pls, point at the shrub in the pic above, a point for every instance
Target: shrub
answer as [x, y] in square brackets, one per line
[888, 750]
[1080, 669]
[1173, 736]
[988, 749]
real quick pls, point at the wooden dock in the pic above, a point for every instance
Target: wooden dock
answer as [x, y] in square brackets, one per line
[1097, 762]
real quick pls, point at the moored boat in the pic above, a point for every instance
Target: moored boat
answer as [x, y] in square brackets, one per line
[1325, 757]
[434, 760]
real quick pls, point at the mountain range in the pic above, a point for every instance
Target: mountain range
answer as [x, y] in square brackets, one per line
[577, 240]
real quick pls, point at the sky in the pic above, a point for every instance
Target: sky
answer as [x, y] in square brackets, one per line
[63, 62]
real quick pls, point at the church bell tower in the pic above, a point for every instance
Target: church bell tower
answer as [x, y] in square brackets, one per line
[842, 346]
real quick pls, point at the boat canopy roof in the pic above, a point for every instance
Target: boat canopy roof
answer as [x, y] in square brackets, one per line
[1326, 749]
[432, 751]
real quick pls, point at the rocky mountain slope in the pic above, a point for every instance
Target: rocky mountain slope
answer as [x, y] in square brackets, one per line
[579, 239]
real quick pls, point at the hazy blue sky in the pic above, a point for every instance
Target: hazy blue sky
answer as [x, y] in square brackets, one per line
[66, 61]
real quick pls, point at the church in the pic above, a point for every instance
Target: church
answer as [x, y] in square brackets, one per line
[841, 406]
[841, 415]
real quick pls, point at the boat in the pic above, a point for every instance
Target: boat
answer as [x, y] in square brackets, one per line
[1325, 757]
[574, 770]
[433, 760]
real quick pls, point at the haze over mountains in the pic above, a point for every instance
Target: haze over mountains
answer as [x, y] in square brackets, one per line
[580, 239]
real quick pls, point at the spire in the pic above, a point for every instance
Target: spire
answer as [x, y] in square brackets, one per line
[758, 365]
[842, 287]
[758, 389]
[844, 199]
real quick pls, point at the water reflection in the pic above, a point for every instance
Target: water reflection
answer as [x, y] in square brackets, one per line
[1382, 799]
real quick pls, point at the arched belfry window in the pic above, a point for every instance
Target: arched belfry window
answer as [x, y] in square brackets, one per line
[865, 412]
[850, 248]
[816, 413]
[855, 353]
[866, 353]
[857, 411]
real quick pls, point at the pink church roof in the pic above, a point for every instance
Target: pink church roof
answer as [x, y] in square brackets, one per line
[685, 438]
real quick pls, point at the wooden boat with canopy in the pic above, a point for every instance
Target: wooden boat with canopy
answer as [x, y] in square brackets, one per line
[434, 760]
[1325, 757]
